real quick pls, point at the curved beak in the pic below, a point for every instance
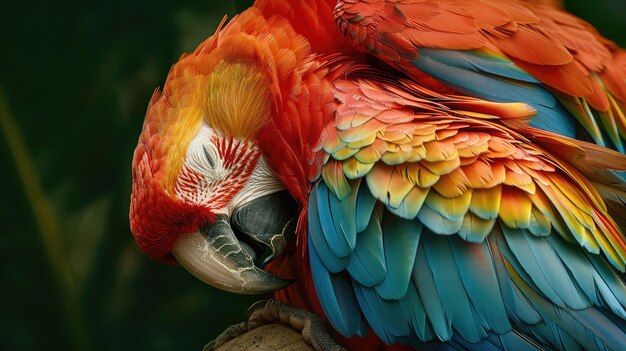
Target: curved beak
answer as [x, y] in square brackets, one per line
[225, 260]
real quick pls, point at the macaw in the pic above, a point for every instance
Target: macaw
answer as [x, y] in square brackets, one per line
[429, 174]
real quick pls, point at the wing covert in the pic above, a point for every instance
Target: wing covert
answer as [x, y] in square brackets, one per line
[434, 220]
[501, 51]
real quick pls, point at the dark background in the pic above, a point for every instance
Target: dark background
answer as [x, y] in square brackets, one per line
[76, 79]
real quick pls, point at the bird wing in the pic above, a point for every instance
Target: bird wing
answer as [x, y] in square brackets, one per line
[435, 220]
[501, 51]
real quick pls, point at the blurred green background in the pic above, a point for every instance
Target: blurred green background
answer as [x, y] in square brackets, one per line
[77, 77]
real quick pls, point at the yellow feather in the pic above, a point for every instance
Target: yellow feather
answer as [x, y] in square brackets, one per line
[515, 208]
[453, 184]
[353, 169]
[442, 167]
[368, 140]
[420, 175]
[396, 157]
[344, 153]
[450, 208]
[539, 223]
[180, 130]
[412, 203]
[335, 179]
[440, 151]
[486, 202]
[372, 153]
[474, 228]
[237, 99]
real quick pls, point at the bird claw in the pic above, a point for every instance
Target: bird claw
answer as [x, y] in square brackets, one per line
[270, 311]
[311, 325]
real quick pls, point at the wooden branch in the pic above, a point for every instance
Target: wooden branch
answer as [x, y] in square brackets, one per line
[270, 337]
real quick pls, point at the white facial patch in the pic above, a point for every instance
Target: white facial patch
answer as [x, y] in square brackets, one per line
[203, 168]
[263, 181]
[204, 174]
[203, 156]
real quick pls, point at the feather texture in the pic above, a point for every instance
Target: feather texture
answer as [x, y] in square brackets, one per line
[467, 228]
[459, 165]
[517, 183]
[501, 51]
[499, 293]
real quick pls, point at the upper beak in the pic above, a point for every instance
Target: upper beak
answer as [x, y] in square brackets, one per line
[216, 256]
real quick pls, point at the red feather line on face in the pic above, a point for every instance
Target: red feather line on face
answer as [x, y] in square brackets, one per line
[215, 192]
[157, 219]
[242, 155]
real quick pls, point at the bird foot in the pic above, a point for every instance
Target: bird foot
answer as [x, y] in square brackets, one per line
[271, 311]
[311, 325]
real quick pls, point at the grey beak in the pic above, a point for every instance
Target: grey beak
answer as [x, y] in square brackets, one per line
[269, 221]
[216, 256]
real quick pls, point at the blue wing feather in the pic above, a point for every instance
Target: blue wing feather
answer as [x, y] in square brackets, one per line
[415, 313]
[437, 223]
[446, 277]
[384, 316]
[336, 296]
[501, 87]
[512, 341]
[517, 306]
[528, 263]
[489, 87]
[337, 221]
[479, 62]
[400, 239]
[480, 282]
[608, 275]
[433, 305]
[367, 264]
[589, 279]
[364, 206]
[331, 261]
[556, 274]
[416, 286]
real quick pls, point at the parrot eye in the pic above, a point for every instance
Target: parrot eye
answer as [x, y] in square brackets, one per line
[208, 152]
[203, 156]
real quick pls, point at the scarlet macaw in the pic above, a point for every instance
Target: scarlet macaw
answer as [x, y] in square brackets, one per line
[455, 167]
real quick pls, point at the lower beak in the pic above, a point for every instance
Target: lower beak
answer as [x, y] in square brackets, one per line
[216, 256]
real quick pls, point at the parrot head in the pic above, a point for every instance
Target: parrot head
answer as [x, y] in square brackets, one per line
[202, 192]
